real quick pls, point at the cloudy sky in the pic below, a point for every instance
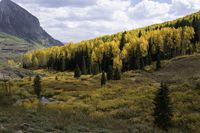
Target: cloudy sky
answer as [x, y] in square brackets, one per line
[75, 20]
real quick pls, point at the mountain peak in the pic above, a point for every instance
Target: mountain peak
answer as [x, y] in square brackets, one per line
[17, 21]
[6, 2]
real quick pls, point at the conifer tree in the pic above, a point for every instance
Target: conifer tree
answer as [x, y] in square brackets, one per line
[122, 41]
[77, 72]
[103, 79]
[63, 64]
[37, 86]
[142, 63]
[149, 55]
[163, 108]
[95, 69]
[110, 73]
[83, 67]
[139, 34]
[117, 74]
[158, 63]
[138, 57]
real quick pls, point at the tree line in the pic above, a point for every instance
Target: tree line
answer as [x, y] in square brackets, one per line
[125, 51]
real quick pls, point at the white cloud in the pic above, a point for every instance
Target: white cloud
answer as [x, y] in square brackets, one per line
[181, 7]
[149, 9]
[75, 20]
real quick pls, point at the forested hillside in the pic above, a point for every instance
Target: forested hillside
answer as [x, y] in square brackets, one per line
[128, 50]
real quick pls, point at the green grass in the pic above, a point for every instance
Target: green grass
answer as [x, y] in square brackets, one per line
[14, 44]
[82, 105]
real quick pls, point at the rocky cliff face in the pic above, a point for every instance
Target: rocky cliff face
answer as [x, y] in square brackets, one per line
[15, 20]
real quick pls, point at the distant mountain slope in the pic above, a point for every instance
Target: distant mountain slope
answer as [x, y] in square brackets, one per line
[188, 20]
[16, 21]
[130, 50]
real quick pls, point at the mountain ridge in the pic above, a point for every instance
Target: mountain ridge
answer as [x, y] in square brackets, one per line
[17, 21]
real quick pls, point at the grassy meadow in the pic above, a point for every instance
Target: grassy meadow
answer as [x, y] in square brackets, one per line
[83, 105]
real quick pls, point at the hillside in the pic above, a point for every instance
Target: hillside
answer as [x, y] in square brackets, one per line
[82, 105]
[10, 46]
[11, 49]
[180, 68]
[129, 50]
[16, 21]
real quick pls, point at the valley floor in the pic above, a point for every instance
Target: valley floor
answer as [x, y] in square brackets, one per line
[126, 106]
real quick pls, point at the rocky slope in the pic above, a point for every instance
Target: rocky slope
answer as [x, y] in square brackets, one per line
[16, 21]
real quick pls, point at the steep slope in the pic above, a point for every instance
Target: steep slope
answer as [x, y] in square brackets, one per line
[16, 21]
[129, 50]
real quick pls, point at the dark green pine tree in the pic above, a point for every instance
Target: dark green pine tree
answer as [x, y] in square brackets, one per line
[142, 63]
[163, 108]
[63, 64]
[138, 57]
[37, 86]
[77, 72]
[139, 34]
[103, 79]
[122, 41]
[158, 63]
[117, 74]
[89, 65]
[95, 69]
[56, 78]
[149, 55]
[196, 25]
[110, 73]
[83, 67]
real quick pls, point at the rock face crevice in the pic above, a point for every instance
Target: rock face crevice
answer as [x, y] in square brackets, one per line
[15, 20]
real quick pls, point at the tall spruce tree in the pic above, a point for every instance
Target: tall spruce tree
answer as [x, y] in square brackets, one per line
[122, 41]
[83, 66]
[139, 34]
[163, 108]
[77, 72]
[138, 55]
[117, 74]
[95, 68]
[149, 55]
[37, 86]
[103, 79]
[158, 58]
[110, 73]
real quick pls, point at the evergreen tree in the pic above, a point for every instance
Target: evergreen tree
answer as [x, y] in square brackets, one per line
[149, 55]
[77, 72]
[117, 74]
[103, 62]
[89, 65]
[139, 34]
[95, 69]
[103, 79]
[163, 108]
[158, 63]
[138, 55]
[110, 73]
[63, 64]
[83, 67]
[122, 41]
[37, 86]
[142, 63]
